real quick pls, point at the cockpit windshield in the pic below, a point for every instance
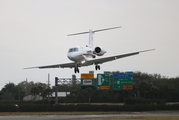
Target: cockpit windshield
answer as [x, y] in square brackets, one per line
[73, 49]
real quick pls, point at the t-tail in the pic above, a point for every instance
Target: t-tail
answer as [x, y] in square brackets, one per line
[91, 32]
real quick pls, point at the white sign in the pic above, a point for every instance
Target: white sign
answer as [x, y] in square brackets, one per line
[100, 79]
[87, 82]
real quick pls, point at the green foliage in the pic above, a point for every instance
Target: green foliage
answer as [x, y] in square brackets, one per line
[142, 101]
[9, 92]
[16, 92]
[152, 87]
[8, 108]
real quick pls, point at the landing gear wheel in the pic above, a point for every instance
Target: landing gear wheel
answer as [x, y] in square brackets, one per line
[97, 67]
[76, 70]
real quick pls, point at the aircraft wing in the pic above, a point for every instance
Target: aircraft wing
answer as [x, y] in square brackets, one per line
[114, 57]
[90, 62]
[64, 65]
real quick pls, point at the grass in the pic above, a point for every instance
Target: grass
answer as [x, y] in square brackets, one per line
[90, 113]
[141, 118]
[54, 113]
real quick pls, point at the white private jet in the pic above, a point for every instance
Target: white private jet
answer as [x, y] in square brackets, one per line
[85, 56]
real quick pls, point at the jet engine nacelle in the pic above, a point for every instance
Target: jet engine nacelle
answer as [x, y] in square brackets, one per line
[99, 51]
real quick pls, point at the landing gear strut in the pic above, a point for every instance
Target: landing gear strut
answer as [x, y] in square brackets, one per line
[97, 67]
[76, 70]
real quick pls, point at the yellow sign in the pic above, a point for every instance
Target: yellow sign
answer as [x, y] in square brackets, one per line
[104, 87]
[127, 87]
[87, 76]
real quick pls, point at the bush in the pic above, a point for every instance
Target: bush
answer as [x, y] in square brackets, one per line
[89, 108]
[136, 101]
[8, 108]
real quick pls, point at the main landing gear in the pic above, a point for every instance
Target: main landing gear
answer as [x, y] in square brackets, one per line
[97, 67]
[76, 70]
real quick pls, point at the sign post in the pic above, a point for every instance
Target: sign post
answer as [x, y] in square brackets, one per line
[56, 90]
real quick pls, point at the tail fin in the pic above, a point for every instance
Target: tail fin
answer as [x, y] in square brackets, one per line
[91, 32]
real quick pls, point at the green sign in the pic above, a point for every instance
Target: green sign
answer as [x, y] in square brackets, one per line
[120, 81]
[128, 72]
[107, 72]
[102, 81]
[91, 72]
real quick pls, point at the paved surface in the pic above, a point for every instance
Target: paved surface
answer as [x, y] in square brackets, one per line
[76, 117]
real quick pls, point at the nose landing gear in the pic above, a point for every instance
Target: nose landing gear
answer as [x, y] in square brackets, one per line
[97, 67]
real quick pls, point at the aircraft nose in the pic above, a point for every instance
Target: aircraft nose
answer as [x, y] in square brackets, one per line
[70, 56]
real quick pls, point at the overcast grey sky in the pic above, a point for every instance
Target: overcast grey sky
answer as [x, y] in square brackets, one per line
[34, 32]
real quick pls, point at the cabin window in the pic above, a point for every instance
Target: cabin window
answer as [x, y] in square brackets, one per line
[89, 52]
[73, 50]
[70, 50]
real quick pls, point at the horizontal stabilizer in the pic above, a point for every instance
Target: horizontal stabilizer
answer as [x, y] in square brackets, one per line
[78, 33]
[94, 31]
[106, 29]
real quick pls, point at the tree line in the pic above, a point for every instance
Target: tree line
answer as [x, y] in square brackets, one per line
[16, 92]
[151, 86]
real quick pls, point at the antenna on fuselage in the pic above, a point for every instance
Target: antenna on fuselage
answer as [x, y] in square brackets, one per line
[91, 32]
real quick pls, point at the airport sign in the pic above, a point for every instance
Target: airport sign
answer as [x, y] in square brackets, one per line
[122, 75]
[87, 82]
[123, 81]
[103, 81]
[107, 72]
[104, 87]
[91, 72]
[87, 76]
[127, 87]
